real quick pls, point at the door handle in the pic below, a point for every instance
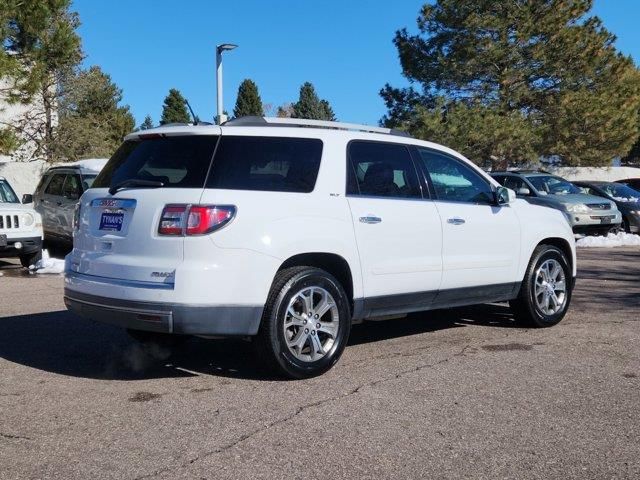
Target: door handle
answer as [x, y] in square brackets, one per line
[370, 219]
[456, 221]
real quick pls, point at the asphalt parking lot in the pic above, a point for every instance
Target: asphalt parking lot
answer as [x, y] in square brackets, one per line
[448, 394]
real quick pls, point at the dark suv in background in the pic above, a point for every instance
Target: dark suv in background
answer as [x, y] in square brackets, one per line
[626, 199]
[587, 214]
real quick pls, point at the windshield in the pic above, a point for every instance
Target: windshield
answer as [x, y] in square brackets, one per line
[620, 192]
[552, 185]
[7, 195]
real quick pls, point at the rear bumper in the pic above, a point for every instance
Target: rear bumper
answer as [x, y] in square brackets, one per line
[29, 245]
[219, 320]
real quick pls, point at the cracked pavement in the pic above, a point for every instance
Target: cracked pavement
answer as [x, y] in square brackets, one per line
[461, 393]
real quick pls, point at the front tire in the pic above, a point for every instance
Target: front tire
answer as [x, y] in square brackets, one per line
[30, 259]
[545, 293]
[306, 323]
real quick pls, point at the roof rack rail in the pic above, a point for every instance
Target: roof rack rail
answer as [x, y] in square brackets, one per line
[252, 121]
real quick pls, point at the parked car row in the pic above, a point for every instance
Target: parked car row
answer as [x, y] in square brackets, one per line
[589, 207]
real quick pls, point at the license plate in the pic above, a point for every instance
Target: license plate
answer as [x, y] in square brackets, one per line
[3, 240]
[111, 221]
[605, 220]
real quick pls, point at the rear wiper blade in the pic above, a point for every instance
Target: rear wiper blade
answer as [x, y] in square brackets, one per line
[135, 182]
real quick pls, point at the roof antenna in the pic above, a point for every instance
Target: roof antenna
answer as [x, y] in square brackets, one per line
[196, 120]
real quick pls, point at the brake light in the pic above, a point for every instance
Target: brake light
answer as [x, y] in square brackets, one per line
[194, 219]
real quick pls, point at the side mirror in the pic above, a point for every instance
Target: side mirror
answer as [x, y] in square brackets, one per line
[524, 191]
[505, 196]
[27, 198]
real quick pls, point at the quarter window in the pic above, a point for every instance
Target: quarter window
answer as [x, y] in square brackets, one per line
[272, 164]
[381, 170]
[454, 181]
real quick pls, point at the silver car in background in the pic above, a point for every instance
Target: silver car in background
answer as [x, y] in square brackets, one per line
[57, 194]
[587, 214]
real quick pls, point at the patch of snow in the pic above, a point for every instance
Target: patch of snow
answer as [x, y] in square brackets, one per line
[621, 239]
[626, 199]
[48, 264]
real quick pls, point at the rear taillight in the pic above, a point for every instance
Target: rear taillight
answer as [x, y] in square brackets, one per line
[194, 219]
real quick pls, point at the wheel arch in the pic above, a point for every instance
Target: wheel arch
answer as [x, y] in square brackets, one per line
[564, 246]
[332, 263]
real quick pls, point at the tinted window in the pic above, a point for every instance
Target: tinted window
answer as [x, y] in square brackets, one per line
[454, 181]
[55, 185]
[518, 185]
[381, 170]
[270, 164]
[7, 195]
[177, 162]
[71, 189]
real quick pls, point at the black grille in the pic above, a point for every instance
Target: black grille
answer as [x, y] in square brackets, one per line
[9, 221]
[599, 206]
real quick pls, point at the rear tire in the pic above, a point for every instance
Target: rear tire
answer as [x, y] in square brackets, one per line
[305, 324]
[545, 293]
[30, 259]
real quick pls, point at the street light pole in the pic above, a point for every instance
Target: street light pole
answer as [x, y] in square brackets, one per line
[221, 118]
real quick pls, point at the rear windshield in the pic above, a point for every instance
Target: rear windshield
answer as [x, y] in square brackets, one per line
[274, 164]
[277, 164]
[177, 162]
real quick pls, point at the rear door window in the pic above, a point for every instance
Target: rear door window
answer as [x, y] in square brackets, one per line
[380, 169]
[272, 164]
[55, 185]
[71, 189]
[177, 162]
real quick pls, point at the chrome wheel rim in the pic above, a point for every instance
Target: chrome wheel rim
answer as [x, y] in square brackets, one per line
[550, 289]
[311, 324]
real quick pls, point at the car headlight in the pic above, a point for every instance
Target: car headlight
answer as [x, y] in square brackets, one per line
[27, 219]
[578, 208]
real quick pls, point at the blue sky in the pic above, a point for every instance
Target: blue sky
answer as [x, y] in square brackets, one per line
[344, 47]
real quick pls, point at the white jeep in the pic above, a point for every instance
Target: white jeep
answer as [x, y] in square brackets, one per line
[287, 231]
[20, 228]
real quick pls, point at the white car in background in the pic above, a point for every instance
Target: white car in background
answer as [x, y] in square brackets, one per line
[20, 228]
[287, 231]
[57, 195]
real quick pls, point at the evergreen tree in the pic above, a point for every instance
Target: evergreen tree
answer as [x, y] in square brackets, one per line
[174, 109]
[327, 111]
[248, 102]
[147, 123]
[310, 106]
[91, 121]
[40, 47]
[545, 74]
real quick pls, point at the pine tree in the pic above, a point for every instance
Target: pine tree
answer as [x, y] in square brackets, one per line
[546, 75]
[327, 111]
[174, 109]
[147, 123]
[40, 46]
[248, 102]
[310, 106]
[91, 121]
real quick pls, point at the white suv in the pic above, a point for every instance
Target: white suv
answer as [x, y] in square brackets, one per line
[20, 228]
[287, 231]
